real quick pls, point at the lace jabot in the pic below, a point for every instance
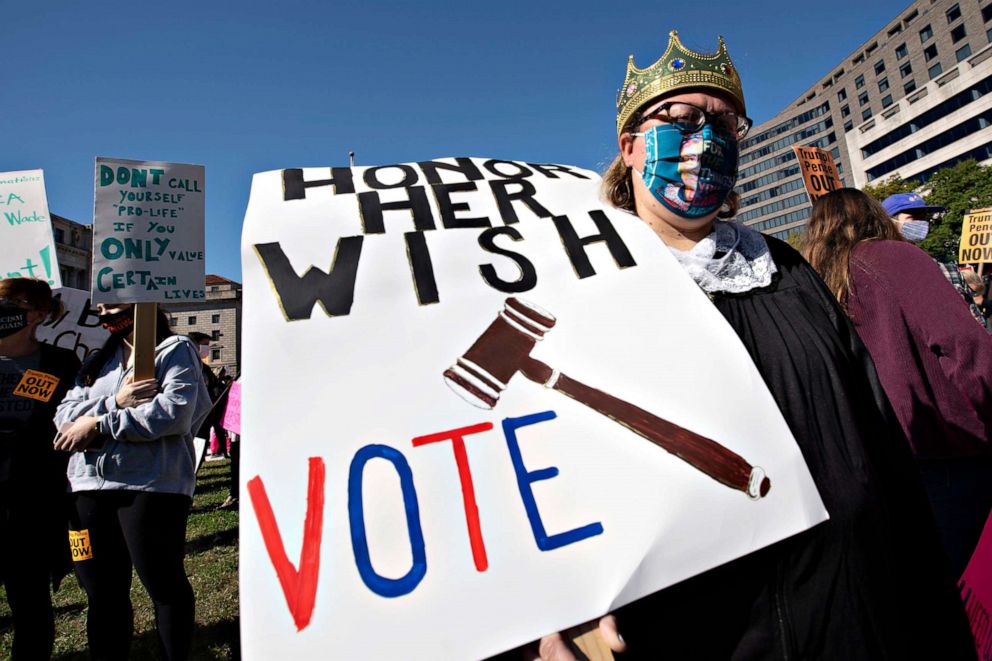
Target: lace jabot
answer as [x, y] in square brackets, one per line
[744, 261]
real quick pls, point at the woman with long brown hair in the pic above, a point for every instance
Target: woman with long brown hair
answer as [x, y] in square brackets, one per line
[933, 360]
[34, 537]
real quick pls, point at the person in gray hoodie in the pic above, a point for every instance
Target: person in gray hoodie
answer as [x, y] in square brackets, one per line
[132, 474]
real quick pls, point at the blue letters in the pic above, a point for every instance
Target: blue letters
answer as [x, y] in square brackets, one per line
[525, 479]
[385, 587]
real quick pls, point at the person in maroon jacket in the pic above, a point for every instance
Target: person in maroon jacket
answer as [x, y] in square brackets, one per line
[933, 360]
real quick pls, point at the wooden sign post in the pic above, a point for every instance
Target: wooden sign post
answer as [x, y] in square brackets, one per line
[145, 315]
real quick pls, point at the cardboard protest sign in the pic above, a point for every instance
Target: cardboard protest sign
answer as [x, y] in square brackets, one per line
[480, 407]
[820, 174]
[78, 327]
[232, 410]
[26, 228]
[147, 232]
[976, 590]
[976, 237]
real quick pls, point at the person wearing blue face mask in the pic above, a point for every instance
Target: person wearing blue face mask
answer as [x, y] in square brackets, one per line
[871, 582]
[911, 215]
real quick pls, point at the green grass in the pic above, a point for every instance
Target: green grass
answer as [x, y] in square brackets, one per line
[212, 567]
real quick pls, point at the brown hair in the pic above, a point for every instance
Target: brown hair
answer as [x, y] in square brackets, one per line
[841, 220]
[36, 293]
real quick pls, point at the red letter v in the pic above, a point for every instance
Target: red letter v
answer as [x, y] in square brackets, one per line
[299, 587]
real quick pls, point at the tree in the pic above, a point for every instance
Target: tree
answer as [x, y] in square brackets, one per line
[797, 239]
[891, 186]
[961, 188]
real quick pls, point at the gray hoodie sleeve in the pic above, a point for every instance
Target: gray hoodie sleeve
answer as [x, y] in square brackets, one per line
[79, 402]
[182, 401]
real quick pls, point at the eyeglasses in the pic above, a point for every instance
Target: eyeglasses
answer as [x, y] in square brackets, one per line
[689, 118]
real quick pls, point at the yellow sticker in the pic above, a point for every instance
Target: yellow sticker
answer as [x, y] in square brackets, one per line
[36, 385]
[79, 542]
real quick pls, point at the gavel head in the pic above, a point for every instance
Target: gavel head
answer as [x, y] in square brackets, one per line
[484, 371]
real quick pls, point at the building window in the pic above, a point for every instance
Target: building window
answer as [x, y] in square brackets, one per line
[905, 69]
[879, 67]
[215, 335]
[859, 82]
[958, 33]
[910, 16]
[841, 95]
[863, 98]
[214, 287]
[59, 235]
[191, 321]
[858, 59]
[930, 52]
[934, 71]
[848, 125]
[926, 33]
[953, 14]
[909, 87]
[987, 13]
[896, 29]
[886, 100]
[901, 51]
[883, 84]
[845, 111]
[866, 113]
[962, 52]
[215, 354]
[173, 320]
[215, 318]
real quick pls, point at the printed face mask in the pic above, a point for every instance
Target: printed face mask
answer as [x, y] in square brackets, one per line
[914, 230]
[12, 319]
[689, 174]
[118, 322]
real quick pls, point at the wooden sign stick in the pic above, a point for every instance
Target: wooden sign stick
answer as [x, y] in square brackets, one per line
[587, 643]
[145, 316]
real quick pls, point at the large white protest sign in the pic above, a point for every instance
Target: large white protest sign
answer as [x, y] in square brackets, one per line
[78, 327]
[147, 232]
[26, 228]
[469, 394]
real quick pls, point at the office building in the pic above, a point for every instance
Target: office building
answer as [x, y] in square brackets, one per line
[912, 99]
[219, 316]
[74, 251]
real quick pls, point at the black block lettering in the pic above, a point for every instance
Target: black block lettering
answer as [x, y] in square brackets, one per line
[464, 166]
[549, 169]
[448, 209]
[505, 199]
[295, 188]
[371, 208]
[421, 267]
[372, 177]
[335, 290]
[528, 274]
[575, 246]
[518, 171]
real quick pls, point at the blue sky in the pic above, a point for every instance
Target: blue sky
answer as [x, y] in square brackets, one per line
[244, 87]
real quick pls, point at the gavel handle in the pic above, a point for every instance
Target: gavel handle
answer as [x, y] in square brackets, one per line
[703, 453]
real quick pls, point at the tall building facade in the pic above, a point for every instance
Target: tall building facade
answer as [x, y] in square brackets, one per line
[74, 251]
[912, 99]
[219, 316]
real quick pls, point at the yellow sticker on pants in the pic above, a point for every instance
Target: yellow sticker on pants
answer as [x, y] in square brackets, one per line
[79, 542]
[36, 385]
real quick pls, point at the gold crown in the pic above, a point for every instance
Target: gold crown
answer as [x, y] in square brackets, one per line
[678, 68]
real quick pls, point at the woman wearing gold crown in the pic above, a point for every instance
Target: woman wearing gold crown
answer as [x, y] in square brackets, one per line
[871, 582]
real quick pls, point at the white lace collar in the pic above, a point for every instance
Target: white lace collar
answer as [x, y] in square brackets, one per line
[745, 262]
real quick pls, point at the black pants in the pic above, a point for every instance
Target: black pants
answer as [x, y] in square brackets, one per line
[148, 531]
[235, 465]
[26, 574]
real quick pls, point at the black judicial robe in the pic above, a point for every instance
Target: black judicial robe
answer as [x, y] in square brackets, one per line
[870, 583]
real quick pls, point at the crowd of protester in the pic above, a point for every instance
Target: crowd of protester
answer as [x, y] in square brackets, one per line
[878, 357]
